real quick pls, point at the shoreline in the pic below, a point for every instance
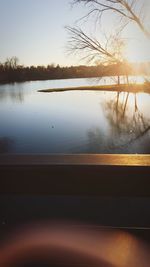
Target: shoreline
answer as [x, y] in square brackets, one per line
[133, 88]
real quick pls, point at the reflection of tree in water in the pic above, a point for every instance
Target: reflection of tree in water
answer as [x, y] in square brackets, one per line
[15, 94]
[126, 122]
[127, 127]
[96, 142]
[6, 144]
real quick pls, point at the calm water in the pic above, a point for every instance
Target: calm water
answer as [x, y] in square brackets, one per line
[73, 121]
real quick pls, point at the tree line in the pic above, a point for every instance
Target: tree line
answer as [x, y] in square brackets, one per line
[12, 71]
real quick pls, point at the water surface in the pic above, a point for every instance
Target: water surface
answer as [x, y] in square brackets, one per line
[72, 121]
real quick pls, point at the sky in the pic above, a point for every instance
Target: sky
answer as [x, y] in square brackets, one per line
[33, 31]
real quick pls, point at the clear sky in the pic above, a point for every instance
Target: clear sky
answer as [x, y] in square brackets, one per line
[33, 30]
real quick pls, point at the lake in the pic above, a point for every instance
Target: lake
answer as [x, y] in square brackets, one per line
[72, 121]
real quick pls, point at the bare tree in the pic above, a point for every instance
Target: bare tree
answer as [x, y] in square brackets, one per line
[130, 10]
[110, 51]
[11, 63]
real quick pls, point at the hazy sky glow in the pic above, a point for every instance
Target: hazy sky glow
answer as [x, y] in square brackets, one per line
[33, 30]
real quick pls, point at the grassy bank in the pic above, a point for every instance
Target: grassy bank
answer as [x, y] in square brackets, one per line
[133, 88]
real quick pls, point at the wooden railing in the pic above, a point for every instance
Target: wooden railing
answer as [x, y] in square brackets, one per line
[103, 175]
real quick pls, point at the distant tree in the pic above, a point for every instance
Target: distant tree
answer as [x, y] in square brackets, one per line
[10, 71]
[11, 63]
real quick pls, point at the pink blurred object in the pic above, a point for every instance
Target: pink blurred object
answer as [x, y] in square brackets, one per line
[71, 244]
